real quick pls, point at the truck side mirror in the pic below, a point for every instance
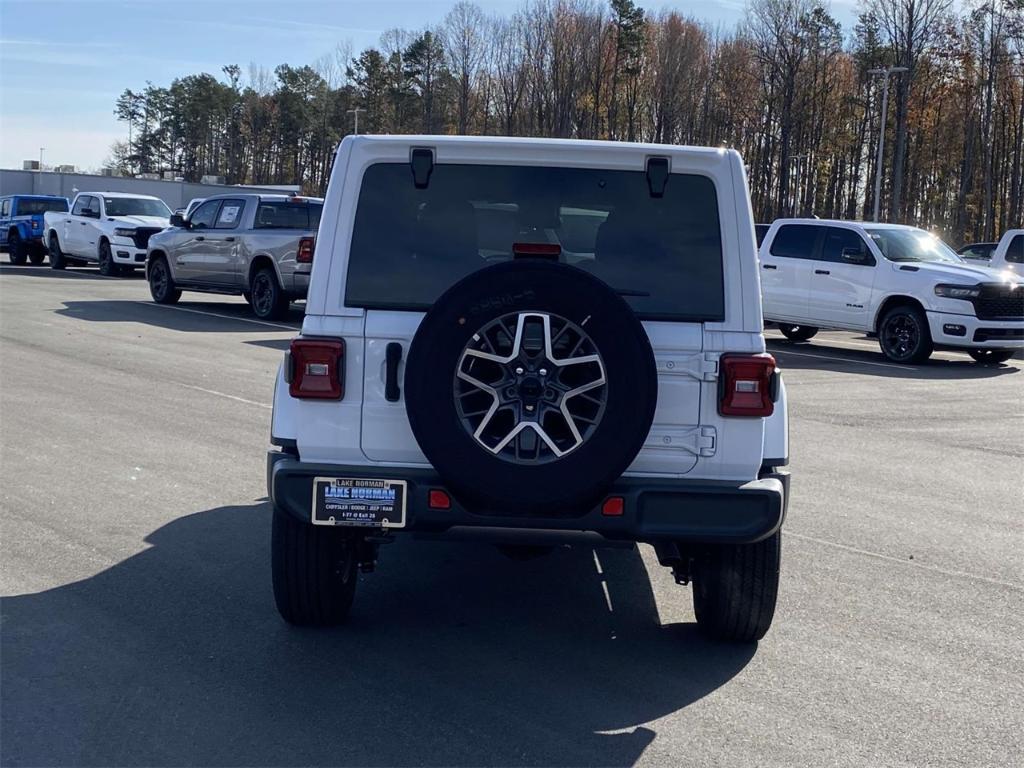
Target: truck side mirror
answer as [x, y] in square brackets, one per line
[177, 220]
[855, 256]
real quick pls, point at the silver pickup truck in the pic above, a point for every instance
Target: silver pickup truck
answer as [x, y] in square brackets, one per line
[256, 246]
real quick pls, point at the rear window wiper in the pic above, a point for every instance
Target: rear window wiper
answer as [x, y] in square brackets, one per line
[631, 292]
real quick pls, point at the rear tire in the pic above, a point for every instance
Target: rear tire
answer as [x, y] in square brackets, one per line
[37, 255]
[269, 301]
[990, 356]
[798, 332]
[161, 284]
[16, 248]
[57, 260]
[314, 571]
[904, 336]
[735, 588]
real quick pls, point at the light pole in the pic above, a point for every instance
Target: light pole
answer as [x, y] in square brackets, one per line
[356, 112]
[41, 150]
[884, 72]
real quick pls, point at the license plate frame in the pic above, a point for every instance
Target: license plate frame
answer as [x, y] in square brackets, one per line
[359, 502]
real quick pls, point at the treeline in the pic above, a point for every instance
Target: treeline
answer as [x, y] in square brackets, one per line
[789, 88]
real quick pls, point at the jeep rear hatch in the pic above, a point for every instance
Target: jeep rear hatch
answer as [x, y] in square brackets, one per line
[662, 252]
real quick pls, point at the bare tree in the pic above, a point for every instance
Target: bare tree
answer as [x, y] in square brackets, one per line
[464, 30]
[910, 27]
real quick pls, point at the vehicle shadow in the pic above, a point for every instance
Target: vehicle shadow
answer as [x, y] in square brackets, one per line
[821, 356]
[218, 317]
[68, 273]
[454, 655]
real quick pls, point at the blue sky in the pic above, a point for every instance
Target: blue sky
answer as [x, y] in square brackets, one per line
[64, 62]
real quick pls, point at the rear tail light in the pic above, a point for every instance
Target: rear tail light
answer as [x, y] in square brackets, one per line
[539, 250]
[305, 253]
[747, 385]
[316, 369]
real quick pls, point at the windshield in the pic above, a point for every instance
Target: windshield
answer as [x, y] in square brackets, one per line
[29, 207]
[912, 245]
[663, 254]
[135, 206]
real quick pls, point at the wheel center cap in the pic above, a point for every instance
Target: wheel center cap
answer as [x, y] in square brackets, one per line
[530, 387]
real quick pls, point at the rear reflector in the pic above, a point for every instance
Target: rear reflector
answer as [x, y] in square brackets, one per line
[438, 500]
[316, 369]
[746, 385]
[304, 255]
[613, 506]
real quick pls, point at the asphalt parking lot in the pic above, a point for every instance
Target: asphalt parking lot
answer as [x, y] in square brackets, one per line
[138, 625]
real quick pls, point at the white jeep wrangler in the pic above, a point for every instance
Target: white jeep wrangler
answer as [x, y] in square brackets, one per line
[532, 342]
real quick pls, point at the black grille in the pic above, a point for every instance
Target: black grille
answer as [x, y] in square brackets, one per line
[998, 302]
[142, 235]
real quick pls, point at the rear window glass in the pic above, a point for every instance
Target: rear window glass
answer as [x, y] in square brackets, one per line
[287, 215]
[33, 207]
[795, 241]
[1015, 253]
[664, 255]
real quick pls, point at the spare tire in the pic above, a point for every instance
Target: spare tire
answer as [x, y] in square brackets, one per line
[530, 387]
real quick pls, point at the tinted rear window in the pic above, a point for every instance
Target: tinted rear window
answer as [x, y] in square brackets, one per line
[286, 215]
[795, 241]
[409, 245]
[33, 207]
[1015, 253]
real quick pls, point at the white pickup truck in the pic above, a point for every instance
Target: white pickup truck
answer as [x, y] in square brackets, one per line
[111, 229]
[901, 283]
[1009, 254]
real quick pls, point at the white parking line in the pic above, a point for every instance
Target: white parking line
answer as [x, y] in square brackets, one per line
[217, 314]
[911, 563]
[225, 394]
[846, 360]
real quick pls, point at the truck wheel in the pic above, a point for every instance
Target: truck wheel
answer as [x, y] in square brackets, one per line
[314, 571]
[161, 284]
[57, 260]
[16, 248]
[269, 301]
[904, 336]
[37, 255]
[735, 587]
[530, 386]
[798, 332]
[107, 266]
[990, 356]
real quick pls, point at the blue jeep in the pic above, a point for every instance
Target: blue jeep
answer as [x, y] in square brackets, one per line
[21, 225]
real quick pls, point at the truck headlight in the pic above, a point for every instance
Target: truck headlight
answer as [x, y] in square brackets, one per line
[966, 292]
[124, 232]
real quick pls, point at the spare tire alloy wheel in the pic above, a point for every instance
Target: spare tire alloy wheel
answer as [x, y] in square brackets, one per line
[530, 387]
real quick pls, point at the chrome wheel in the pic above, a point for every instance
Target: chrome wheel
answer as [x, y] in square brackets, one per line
[530, 387]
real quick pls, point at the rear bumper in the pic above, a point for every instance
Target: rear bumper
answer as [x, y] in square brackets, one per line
[299, 285]
[655, 509]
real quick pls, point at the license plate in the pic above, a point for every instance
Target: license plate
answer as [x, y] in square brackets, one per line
[359, 502]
